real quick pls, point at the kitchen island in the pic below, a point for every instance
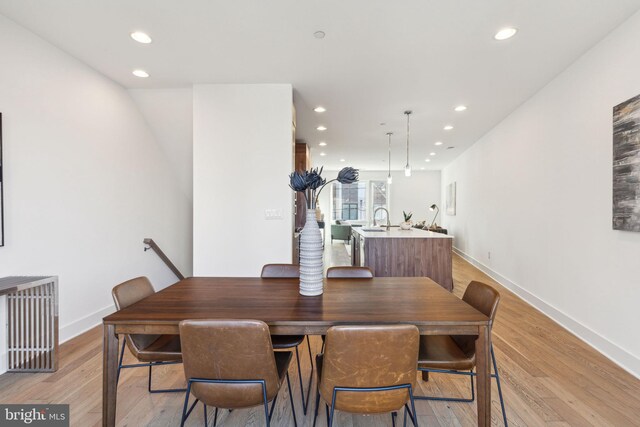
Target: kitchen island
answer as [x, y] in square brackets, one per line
[404, 253]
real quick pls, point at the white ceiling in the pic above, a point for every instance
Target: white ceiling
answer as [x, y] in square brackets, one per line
[378, 58]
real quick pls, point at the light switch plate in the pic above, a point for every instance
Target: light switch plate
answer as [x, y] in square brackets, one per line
[273, 214]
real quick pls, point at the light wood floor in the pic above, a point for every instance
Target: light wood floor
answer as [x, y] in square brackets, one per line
[549, 378]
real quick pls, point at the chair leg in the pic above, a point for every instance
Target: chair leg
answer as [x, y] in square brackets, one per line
[304, 401]
[166, 390]
[315, 414]
[293, 409]
[310, 357]
[120, 361]
[310, 373]
[185, 413]
[142, 365]
[329, 420]
[206, 421]
[273, 405]
[394, 414]
[495, 369]
[450, 399]
[473, 390]
[412, 412]
[215, 418]
[266, 404]
[149, 383]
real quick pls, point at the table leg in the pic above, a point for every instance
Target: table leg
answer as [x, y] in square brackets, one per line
[109, 376]
[483, 372]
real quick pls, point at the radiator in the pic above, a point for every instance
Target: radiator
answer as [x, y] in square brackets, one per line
[32, 323]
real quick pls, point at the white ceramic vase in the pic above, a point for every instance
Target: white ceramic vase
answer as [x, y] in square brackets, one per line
[311, 252]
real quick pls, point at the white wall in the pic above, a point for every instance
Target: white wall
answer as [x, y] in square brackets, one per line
[242, 156]
[410, 194]
[85, 181]
[536, 192]
[169, 114]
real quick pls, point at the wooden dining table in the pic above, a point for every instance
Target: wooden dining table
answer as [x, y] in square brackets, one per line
[382, 300]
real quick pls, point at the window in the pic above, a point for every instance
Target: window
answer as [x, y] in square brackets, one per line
[379, 200]
[349, 201]
[358, 201]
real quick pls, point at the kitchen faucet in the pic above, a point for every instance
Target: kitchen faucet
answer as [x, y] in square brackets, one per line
[374, 217]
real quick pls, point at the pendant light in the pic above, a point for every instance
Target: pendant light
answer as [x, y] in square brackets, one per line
[407, 168]
[389, 179]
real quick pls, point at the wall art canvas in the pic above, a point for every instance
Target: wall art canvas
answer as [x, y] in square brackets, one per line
[451, 199]
[1, 190]
[626, 165]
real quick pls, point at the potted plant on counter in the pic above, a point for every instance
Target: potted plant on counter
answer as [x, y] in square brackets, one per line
[406, 225]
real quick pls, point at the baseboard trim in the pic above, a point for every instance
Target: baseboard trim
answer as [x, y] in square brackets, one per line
[613, 352]
[82, 325]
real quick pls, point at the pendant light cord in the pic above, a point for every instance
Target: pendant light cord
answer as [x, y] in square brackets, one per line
[408, 131]
[389, 133]
[408, 113]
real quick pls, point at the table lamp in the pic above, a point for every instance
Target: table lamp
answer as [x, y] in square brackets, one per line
[434, 207]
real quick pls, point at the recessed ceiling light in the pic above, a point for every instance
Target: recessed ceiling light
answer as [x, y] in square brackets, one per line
[323, 154]
[505, 33]
[321, 128]
[140, 73]
[141, 37]
[427, 160]
[448, 127]
[342, 160]
[451, 147]
[421, 169]
[319, 34]
[460, 108]
[323, 144]
[432, 154]
[319, 109]
[438, 143]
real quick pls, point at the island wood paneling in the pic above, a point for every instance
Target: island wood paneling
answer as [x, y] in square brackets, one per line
[410, 257]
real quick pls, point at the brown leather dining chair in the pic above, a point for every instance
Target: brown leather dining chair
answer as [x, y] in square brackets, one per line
[283, 342]
[231, 364]
[280, 271]
[369, 369]
[456, 354]
[149, 350]
[346, 272]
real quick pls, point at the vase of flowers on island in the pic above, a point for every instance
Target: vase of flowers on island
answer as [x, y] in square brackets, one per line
[310, 183]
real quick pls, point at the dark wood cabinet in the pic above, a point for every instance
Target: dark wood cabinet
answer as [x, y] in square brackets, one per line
[301, 163]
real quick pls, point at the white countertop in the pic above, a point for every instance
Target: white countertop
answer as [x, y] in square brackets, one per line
[397, 233]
